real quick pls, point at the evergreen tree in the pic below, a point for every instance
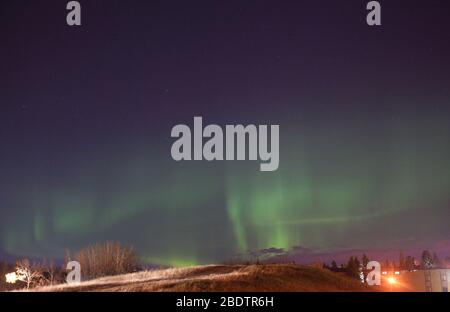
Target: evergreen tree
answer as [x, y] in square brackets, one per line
[409, 263]
[353, 267]
[436, 261]
[334, 266]
[365, 260]
[402, 262]
[427, 260]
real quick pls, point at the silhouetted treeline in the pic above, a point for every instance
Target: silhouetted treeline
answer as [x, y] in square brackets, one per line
[358, 269]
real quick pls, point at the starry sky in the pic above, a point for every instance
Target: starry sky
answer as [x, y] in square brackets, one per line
[86, 114]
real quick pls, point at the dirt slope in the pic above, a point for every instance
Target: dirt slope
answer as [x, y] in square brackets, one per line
[281, 277]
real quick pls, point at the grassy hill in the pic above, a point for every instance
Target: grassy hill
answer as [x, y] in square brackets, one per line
[273, 277]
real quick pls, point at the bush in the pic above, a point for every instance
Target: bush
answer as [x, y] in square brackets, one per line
[106, 259]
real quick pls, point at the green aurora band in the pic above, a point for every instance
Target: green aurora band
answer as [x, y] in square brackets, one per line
[333, 188]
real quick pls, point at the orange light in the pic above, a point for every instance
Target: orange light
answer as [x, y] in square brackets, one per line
[391, 280]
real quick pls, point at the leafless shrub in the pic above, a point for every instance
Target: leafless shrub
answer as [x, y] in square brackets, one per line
[106, 259]
[31, 275]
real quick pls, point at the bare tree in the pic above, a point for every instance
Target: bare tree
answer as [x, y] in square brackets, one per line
[110, 258]
[52, 272]
[27, 273]
[48, 272]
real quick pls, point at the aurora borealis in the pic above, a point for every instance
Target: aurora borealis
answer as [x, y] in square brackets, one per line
[86, 114]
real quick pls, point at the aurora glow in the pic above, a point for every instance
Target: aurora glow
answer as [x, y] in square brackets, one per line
[86, 116]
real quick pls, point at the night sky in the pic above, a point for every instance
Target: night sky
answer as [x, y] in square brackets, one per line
[86, 114]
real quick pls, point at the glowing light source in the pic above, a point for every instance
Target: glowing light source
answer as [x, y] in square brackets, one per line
[392, 280]
[11, 278]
